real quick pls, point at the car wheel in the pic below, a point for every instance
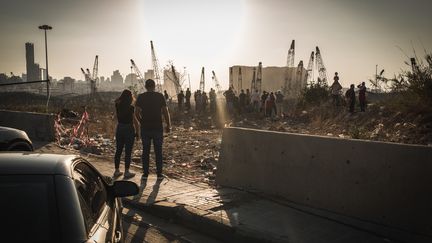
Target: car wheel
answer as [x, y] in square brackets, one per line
[20, 146]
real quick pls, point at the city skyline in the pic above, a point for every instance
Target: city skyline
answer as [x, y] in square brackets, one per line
[353, 36]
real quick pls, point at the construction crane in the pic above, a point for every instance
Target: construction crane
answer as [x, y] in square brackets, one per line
[176, 80]
[231, 78]
[138, 74]
[216, 82]
[155, 63]
[299, 70]
[322, 72]
[310, 68]
[202, 81]
[239, 80]
[259, 77]
[253, 82]
[291, 55]
[86, 77]
[94, 76]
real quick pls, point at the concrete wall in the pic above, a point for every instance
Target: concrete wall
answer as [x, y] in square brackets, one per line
[38, 126]
[384, 183]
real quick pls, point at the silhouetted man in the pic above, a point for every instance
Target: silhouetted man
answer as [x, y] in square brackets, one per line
[149, 108]
[180, 100]
[350, 95]
[362, 96]
[188, 96]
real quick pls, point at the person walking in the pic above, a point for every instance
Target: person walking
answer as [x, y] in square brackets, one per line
[362, 96]
[127, 128]
[150, 106]
[350, 95]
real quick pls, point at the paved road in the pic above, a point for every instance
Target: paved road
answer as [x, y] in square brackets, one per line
[143, 227]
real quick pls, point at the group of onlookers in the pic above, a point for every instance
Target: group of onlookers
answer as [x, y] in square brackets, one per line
[350, 94]
[268, 103]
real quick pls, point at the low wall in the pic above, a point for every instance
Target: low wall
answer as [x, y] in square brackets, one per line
[38, 126]
[384, 183]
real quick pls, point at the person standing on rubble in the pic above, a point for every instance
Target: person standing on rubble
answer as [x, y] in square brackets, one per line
[188, 96]
[126, 131]
[255, 99]
[362, 96]
[242, 101]
[279, 103]
[335, 90]
[150, 106]
[180, 100]
[212, 95]
[350, 95]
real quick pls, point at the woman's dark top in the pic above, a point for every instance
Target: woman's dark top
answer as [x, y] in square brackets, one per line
[124, 113]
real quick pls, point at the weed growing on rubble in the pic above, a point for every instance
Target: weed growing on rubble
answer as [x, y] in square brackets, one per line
[314, 94]
[413, 88]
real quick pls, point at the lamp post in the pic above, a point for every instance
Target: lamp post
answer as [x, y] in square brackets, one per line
[45, 28]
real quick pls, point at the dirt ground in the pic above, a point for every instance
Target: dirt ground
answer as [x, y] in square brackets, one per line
[191, 150]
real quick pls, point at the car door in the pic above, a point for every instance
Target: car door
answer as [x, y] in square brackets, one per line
[96, 204]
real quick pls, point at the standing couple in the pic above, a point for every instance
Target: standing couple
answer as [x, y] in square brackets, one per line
[145, 120]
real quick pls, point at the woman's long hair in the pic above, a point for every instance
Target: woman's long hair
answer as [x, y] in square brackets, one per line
[125, 99]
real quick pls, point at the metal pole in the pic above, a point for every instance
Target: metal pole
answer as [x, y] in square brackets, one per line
[46, 63]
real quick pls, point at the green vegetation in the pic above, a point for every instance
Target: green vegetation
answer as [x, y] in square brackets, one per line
[314, 94]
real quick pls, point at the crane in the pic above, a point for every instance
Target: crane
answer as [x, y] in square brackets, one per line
[291, 55]
[202, 81]
[176, 80]
[259, 77]
[155, 63]
[239, 80]
[86, 77]
[216, 82]
[253, 82]
[231, 82]
[322, 72]
[93, 77]
[310, 67]
[138, 74]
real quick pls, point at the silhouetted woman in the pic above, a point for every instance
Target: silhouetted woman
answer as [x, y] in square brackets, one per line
[125, 134]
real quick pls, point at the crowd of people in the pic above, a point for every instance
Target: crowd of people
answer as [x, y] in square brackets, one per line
[143, 118]
[268, 103]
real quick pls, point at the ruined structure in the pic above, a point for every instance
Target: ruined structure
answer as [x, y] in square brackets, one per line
[289, 80]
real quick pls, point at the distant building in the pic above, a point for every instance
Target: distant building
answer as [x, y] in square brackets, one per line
[149, 74]
[116, 80]
[131, 79]
[288, 80]
[33, 71]
[67, 84]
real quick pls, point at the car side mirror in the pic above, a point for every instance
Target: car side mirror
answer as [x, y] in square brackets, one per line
[125, 188]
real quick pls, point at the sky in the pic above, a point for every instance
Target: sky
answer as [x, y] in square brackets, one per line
[354, 36]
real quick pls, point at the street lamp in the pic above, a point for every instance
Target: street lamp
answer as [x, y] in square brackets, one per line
[45, 28]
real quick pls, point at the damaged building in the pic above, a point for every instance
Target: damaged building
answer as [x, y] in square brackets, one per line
[289, 80]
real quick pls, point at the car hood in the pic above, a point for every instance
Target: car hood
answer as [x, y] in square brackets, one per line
[7, 134]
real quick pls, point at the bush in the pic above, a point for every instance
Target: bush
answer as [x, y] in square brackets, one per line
[315, 93]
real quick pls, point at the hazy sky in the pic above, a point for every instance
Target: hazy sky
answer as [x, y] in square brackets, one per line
[353, 35]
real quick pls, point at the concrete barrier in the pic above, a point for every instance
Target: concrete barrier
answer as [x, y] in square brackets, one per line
[38, 126]
[384, 183]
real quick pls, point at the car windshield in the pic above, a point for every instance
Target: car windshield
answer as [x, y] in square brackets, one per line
[28, 208]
